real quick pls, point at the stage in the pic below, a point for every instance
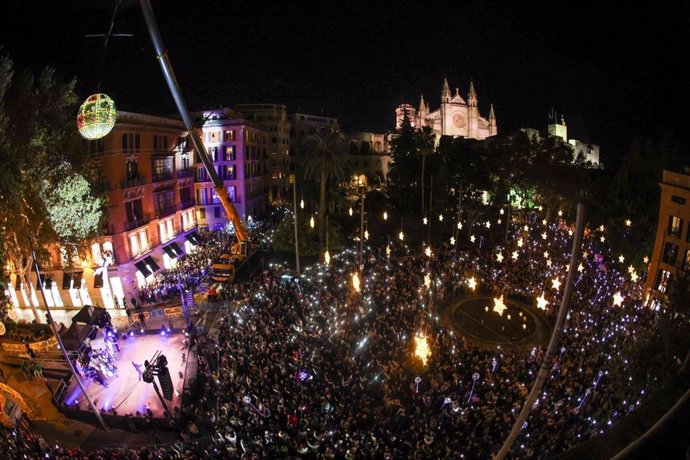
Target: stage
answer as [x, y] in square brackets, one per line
[126, 392]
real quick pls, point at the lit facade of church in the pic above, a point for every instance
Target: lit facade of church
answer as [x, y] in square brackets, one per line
[455, 117]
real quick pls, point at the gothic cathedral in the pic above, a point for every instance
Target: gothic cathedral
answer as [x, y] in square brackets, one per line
[456, 117]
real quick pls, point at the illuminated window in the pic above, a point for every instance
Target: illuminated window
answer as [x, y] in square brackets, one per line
[144, 240]
[663, 279]
[675, 225]
[134, 244]
[229, 135]
[171, 228]
[670, 253]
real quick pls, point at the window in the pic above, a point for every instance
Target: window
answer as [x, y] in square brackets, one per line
[678, 199]
[201, 175]
[231, 194]
[162, 168]
[130, 143]
[185, 161]
[213, 153]
[214, 196]
[675, 226]
[230, 153]
[216, 212]
[229, 135]
[164, 203]
[185, 195]
[144, 240]
[134, 245]
[132, 169]
[202, 213]
[230, 173]
[663, 279]
[134, 211]
[97, 146]
[160, 143]
[670, 254]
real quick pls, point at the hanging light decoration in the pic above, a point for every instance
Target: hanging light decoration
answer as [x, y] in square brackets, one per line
[388, 251]
[327, 257]
[440, 217]
[542, 302]
[311, 222]
[366, 235]
[472, 283]
[355, 281]
[96, 116]
[350, 212]
[427, 251]
[301, 203]
[499, 306]
[452, 240]
[425, 221]
[401, 235]
[421, 347]
[385, 215]
[427, 280]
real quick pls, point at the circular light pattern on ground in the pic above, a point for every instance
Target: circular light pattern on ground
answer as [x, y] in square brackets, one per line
[475, 317]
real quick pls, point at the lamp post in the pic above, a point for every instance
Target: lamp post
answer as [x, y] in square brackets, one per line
[294, 205]
[361, 225]
[49, 317]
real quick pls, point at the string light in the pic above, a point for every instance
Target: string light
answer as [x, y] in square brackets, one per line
[628, 222]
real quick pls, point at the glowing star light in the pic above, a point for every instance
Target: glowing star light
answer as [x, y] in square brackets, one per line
[543, 236]
[472, 238]
[301, 206]
[459, 225]
[427, 280]
[617, 299]
[515, 255]
[499, 305]
[425, 221]
[385, 215]
[401, 235]
[556, 283]
[634, 277]
[580, 268]
[560, 213]
[440, 217]
[488, 224]
[350, 211]
[645, 259]
[452, 240]
[472, 283]
[546, 254]
[96, 116]
[628, 222]
[520, 243]
[500, 211]
[499, 257]
[621, 259]
[542, 302]
[602, 239]
[366, 234]
[311, 222]
[421, 348]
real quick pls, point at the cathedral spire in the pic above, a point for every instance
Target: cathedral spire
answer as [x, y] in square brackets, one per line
[445, 93]
[422, 104]
[492, 115]
[472, 96]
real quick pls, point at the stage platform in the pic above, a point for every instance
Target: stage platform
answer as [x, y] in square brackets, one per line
[126, 392]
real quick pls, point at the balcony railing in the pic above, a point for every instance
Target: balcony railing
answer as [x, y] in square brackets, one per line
[137, 222]
[166, 211]
[132, 182]
[187, 204]
[165, 175]
[188, 172]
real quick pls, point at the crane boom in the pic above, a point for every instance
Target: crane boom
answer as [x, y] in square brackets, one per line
[171, 80]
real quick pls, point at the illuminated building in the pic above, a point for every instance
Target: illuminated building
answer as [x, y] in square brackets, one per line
[672, 243]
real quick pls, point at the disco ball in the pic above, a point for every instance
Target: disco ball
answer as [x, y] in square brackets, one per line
[96, 116]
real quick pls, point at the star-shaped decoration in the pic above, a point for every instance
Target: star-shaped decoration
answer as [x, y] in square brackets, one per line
[500, 211]
[427, 251]
[515, 255]
[543, 222]
[560, 213]
[628, 222]
[366, 235]
[621, 259]
[570, 232]
[459, 225]
[602, 239]
[452, 240]
[472, 283]
[524, 326]
[349, 211]
[425, 221]
[631, 269]
[548, 262]
[542, 302]
[617, 299]
[541, 208]
[526, 228]
[634, 277]
[601, 228]
[509, 317]
[645, 259]
[385, 215]
[440, 217]
[486, 308]
[401, 235]
[427, 280]
[498, 221]
[472, 238]
[499, 306]
[556, 283]
[488, 224]
[520, 243]
[546, 254]
[543, 236]
[499, 257]
[580, 267]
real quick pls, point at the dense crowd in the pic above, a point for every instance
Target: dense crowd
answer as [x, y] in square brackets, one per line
[310, 367]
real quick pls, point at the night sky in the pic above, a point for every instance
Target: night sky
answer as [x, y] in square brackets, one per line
[613, 71]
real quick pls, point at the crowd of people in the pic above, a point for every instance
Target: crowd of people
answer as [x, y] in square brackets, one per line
[312, 367]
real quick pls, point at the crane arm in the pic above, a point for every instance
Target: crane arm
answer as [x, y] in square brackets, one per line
[171, 80]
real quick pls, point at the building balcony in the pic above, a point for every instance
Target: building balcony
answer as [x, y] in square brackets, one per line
[187, 204]
[162, 176]
[166, 211]
[188, 172]
[133, 182]
[137, 222]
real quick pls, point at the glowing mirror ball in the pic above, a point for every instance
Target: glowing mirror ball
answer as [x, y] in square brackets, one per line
[96, 116]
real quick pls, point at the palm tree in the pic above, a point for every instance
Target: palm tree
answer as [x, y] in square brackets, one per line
[323, 158]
